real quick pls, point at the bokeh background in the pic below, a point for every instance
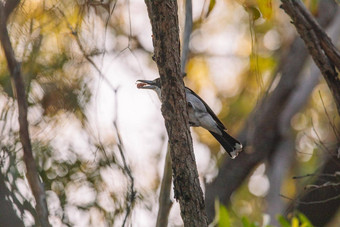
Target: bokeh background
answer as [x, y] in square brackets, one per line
[97, 139]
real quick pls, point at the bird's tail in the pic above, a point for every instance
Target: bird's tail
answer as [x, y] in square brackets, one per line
[230, 144]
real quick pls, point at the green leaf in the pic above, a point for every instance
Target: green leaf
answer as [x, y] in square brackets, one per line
[304, 220]
[245, 222]
[283, 222]
[224, 219]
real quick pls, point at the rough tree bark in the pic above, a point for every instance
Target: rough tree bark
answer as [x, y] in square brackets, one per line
[262, 130]
[19, 91]
[165, 202]
[187, 190]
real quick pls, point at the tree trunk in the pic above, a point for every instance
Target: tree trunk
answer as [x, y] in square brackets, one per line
[187, 190]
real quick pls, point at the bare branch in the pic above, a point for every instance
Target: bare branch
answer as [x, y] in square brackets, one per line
[186, 35]
[312, 202]
[19, 91]
[336, 174]
[335, 131]
[165, 202]
[131, 194]
[328, 47]
[327, 184]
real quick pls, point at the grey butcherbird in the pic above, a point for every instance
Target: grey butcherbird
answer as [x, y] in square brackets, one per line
[200, 114]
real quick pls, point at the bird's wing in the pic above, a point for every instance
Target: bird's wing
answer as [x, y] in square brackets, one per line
[209, 110]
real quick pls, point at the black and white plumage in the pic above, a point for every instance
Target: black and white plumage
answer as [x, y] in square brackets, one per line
[200, 115]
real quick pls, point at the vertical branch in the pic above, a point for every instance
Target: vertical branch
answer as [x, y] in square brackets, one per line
[19, 91]
[187, 190]
[186, 35]
[164, 195]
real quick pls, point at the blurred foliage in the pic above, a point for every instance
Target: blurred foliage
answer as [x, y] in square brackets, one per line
[54, 41]
[224, 220]
[223, 217]
[58, 81]
[299, 220]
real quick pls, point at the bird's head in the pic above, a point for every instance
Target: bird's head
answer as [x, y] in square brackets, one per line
[154, 85]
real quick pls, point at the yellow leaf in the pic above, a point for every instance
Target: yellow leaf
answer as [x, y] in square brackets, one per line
[266, 8]
[295, 222]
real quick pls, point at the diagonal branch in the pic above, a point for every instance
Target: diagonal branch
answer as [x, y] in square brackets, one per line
[321, 48]
[19, 91]
[330, 50]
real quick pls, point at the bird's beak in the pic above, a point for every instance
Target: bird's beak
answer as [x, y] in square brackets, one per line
[146, 84]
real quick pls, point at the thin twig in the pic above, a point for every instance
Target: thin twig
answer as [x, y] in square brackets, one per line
[130, 196]
[321, 144]
[106, 25]
[336, 174]
[327, 184]
[335, 131]
[74, 33]
[312, 202]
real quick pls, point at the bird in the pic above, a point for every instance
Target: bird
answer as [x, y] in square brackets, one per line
[200, 115]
